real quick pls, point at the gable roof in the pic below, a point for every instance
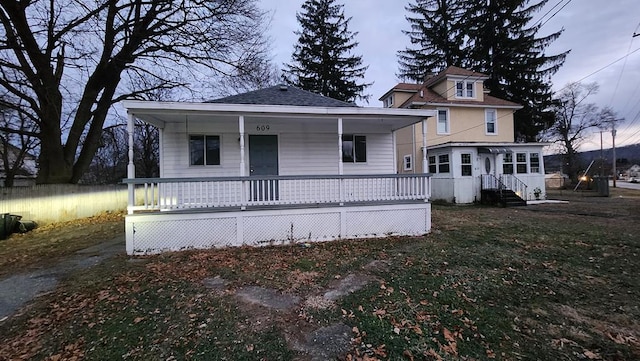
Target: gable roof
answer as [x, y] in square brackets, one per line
[454, 71]
[283, 95]
[423, 94]
[427, 95]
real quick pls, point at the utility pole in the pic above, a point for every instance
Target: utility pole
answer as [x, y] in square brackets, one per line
[601, 157]
[613, 136]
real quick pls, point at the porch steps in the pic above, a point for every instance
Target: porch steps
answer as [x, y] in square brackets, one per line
[506, 198]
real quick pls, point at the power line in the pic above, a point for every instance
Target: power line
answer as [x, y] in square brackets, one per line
[556, 13]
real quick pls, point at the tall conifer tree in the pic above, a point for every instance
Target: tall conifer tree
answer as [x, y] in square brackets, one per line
[323, 61]
[504, 45]
[493, 37]
[436, 37]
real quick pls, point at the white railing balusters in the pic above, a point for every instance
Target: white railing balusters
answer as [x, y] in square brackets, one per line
[177, 193]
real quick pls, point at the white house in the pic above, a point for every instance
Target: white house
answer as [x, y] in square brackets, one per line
[274, 165]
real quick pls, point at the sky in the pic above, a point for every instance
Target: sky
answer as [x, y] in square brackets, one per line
[597, 32]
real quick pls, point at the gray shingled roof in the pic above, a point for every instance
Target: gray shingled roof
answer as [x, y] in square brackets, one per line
[283, 95]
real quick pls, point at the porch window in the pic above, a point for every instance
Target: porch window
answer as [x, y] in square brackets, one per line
[432, 164]
[534, 163]
[443, 163]
[521, 162]
[407, 162]
[354, 148]
[490, 122]
[465, 161]
[204, 150]
[507, 163]
[443, 121]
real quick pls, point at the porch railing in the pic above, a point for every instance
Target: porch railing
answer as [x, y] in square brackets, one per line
[504, 182]
[189, 193]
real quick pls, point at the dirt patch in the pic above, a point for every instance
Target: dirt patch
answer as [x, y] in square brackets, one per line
[326, 343]
[344, 286]
[268, 298]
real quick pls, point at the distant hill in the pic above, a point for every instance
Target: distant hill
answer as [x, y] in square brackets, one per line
[626, 157]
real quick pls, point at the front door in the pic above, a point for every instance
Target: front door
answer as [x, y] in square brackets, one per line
[263, 161]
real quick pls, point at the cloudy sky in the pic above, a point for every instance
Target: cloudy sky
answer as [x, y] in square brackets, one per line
[597, 32]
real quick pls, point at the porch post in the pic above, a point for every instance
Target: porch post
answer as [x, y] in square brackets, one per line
[340, 164]
[241, 129]
[243, 196]
[425, 167]
[131, 168]
[424, 146]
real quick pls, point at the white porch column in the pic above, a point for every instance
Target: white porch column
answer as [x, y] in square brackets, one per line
[131, 168]
[241, 128]
[340, 164]
[243, 183]
[425, 167]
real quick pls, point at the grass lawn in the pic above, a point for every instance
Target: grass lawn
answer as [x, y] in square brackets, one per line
[542, 282]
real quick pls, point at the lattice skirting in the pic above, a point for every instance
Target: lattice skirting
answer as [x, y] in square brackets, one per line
[168, 231]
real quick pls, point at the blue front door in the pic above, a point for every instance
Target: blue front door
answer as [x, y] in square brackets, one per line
[263, 161]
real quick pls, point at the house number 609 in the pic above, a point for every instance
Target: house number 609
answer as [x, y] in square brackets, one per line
[262, 128]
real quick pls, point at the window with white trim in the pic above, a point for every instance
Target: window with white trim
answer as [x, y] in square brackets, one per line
[407, 162]
[204, 150]
[388, 101]
[433, 167]
[443, 121]
[465, 89]
[443, 163]
[534, 163]
[507, 163]
[354, 148]
[465, 164]
[490, 121]
[521, 163]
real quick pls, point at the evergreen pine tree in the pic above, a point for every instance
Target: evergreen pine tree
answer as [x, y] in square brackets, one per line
[435, 31]
[492, 37]
[323, 60]
[504, 46]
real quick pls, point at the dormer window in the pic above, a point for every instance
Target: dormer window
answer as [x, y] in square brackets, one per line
[388, 102]
[465, 89]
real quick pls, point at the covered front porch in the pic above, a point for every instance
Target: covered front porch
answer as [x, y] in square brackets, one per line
[278, 174]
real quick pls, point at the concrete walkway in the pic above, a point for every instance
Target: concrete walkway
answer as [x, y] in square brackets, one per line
[17, 290]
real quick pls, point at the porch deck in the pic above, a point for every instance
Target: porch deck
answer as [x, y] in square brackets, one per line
[182, 213]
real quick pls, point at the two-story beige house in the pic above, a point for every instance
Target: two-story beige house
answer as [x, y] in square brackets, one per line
[471, 154]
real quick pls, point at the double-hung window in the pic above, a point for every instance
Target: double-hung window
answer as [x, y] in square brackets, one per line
[521, 162]
[407, 162]
[490, 121]
[354, 148]
[465, 89]
[433, 167]
[204, 150]
[443, 121]
[507, 163]
[465, 164]
[443, 163]
[534, 163]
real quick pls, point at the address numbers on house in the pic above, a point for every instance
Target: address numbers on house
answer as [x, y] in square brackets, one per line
[262, 127]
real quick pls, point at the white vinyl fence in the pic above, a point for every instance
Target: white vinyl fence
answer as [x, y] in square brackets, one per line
[49, 203]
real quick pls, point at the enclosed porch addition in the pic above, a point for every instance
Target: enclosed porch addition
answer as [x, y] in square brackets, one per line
[253, 174]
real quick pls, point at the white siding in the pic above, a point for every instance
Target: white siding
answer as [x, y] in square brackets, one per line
[304, 148]
[379, 156]
[176, 156]
[308, 153]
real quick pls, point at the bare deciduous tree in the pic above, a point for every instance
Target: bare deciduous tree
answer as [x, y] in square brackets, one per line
[65, 60]
[15, 148]
[574, 117]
